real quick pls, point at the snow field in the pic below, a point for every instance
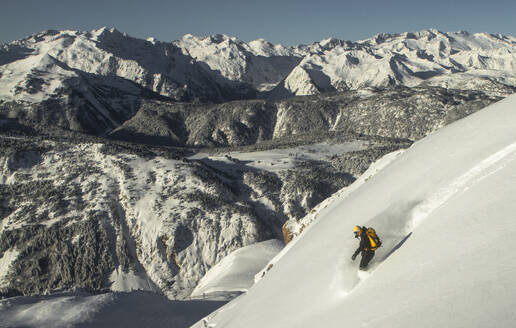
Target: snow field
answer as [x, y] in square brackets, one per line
[399, 230]
[278, 160]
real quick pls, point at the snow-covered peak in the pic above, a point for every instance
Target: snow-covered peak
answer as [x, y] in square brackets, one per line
[422, 39]
[219, 38]
[222, 44]
[262, 47]
[383, 37]
[160, 67]
[329, 42]
[254, 63]
[104, 30]
[192, 40]
[152, 40]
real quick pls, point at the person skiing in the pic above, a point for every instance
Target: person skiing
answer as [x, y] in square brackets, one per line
[369, 242]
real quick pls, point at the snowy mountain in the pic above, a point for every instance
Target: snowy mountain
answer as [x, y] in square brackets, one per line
[204, 66]
[157, 66]
[443, 209]
[454, 60]
[257, 63]
[96, 81]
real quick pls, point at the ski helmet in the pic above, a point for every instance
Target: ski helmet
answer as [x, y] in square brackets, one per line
[357, 231]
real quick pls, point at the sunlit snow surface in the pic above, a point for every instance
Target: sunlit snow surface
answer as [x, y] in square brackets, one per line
[235, 273]
[445, 212]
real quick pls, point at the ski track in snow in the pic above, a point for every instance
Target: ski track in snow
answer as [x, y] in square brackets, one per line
[485, 168]
[418, 213]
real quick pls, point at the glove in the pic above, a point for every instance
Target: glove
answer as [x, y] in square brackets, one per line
[353, 257]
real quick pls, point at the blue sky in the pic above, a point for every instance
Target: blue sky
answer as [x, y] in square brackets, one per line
[278, 21]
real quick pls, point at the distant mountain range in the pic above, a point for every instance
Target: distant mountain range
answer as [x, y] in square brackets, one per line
[222, 68]
[95, 81]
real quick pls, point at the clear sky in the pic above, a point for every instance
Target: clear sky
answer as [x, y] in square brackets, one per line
[279, 21]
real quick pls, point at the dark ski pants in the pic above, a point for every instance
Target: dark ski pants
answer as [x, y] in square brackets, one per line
[367, 256]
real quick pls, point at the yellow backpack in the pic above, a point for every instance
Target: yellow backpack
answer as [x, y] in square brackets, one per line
[373, 239]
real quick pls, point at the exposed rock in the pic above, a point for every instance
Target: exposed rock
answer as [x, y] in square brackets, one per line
[288, 233]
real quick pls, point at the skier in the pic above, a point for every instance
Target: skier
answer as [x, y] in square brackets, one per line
[369, 242]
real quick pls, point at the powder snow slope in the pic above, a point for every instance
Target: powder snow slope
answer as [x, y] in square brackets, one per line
[445, 211]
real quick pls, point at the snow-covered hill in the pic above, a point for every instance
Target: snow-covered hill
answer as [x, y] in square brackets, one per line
[235, 273]
[444, 209]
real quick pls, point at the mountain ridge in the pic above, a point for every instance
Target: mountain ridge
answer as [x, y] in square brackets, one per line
[406, 58]
[96, 81]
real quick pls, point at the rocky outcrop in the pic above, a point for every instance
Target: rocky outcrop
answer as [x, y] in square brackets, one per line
[288, 231]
